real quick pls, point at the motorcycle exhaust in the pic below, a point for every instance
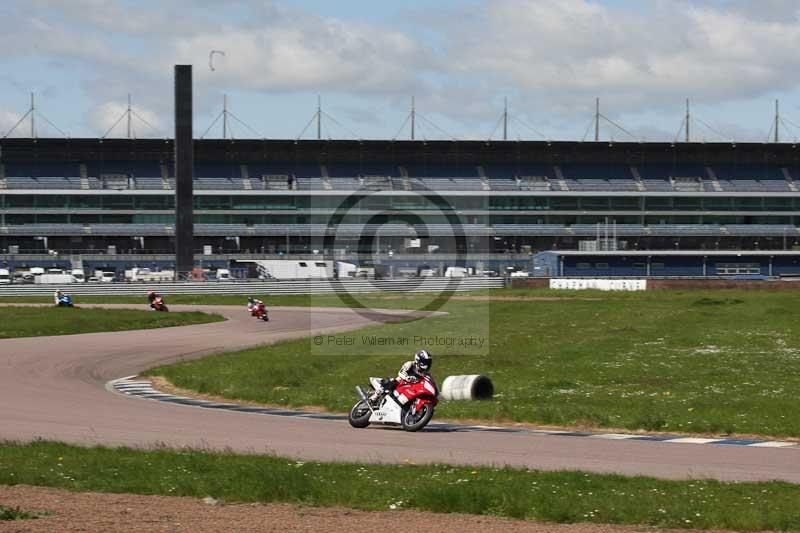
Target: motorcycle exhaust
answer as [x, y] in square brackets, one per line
[363, 397]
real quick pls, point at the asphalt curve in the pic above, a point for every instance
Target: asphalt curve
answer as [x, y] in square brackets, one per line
[54, 388]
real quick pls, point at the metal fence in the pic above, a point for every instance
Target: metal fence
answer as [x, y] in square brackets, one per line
[259, 287]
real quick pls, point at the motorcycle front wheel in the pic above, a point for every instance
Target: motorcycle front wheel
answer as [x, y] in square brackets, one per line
[359, 415]
[416, 420]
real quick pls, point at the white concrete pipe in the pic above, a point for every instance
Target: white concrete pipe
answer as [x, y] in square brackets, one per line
[474, 387]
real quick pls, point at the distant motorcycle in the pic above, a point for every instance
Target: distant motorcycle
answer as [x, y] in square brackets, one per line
[259, 311]
[65, 300]
[159, 305]
[409, 404]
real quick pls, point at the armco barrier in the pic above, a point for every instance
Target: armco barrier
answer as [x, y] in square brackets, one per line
[435, 285]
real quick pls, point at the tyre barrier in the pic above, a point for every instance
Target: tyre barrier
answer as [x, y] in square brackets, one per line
[472, 387]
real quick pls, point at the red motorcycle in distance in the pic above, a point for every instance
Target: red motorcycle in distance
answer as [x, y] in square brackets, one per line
[258, 309]
[409, 404]
[159, 305]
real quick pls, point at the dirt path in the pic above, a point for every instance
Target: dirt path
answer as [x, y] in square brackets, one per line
[96, 512]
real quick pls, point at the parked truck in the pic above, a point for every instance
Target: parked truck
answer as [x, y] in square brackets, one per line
[54, 279]
[145, 274]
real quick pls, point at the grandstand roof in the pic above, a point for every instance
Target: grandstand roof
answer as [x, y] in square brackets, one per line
[429, 152]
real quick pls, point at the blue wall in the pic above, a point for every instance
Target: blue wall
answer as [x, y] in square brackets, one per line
[669, 266]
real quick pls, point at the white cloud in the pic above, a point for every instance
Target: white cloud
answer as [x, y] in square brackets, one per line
[565, 52]
[308, 53]
[7, 121]
[144, 122]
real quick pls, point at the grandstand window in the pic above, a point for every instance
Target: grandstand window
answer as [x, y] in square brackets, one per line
[19, 200]
[153, 219]
[20, 219]
[639, 266]
[686, 203]
[627, 203]
[261, 202]
[84, 219]
[747, 204]
[116, 219]
[564, 203]
[778, 204]
[717, 204]
[733, 269]
[85, 202]
[601, 266]
[51, 219]
[592, 203]
[657, 266]
[154, 202]
[772, 220]
[122, 201]
[658, 204]
[722, 220]
[52, 201]
[583, 266]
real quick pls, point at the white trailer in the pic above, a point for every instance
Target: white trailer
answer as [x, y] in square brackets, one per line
[5, 276]
[78, 275]
[145, 274]
[456, 272]
[54, 279]
[345, 270]
[292, 269]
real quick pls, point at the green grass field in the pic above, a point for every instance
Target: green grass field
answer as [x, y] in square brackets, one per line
[717, 362]
[551, 496]
[36, 322]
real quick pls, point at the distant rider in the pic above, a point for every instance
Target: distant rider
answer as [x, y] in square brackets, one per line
[62, 299]
[411, 371]
[151, 298]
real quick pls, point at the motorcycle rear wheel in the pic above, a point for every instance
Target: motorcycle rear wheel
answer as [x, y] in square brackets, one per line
[359, 415]
[414, 421]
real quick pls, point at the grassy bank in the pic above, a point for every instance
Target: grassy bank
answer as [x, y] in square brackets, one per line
[721, 362]
[14, 513]
[36, 322]
[550, 496]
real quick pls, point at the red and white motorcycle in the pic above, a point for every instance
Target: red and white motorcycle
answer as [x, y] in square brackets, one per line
[409, 404]
[257, 309]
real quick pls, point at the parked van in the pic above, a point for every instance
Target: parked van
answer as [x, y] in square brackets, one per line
[456, 272]
[5, 276]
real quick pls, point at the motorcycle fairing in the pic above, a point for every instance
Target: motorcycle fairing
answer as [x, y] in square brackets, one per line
[388, 412]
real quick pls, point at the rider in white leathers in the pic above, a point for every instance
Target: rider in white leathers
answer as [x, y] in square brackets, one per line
[411, 371]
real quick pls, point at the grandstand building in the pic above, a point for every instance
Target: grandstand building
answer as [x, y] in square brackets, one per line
[110, 202]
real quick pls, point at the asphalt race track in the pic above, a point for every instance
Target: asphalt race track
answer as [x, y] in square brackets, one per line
[55, 388]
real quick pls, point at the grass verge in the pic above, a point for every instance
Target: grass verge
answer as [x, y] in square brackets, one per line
[15, 513]
[709, 362]
[36, 322]
[549, 496]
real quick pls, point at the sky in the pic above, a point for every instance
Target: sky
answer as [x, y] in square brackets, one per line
[365, 60]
